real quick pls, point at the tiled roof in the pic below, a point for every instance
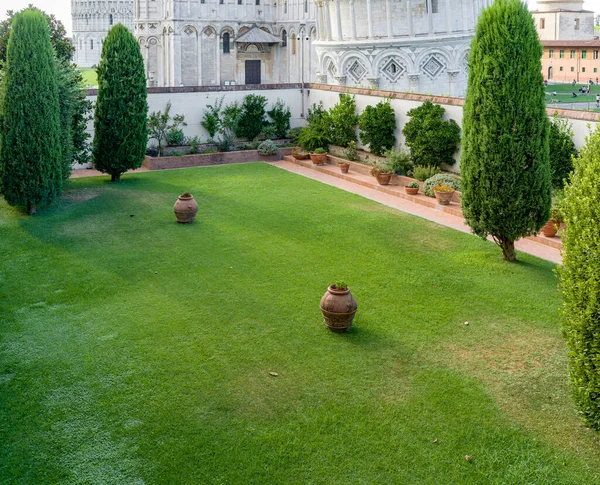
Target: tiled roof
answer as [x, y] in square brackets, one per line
[571, 43]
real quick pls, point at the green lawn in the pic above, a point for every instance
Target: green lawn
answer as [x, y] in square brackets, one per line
[136, 350]
[564, 93]
[89, 77]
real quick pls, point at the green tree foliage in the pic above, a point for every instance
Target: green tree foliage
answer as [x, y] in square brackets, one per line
[253, 118]
[211, 117]
[280, 114]
[562, 150]
[504, 167]
[161, 124]
[377, 125]
[343, 120]
[316, 133]
[58, 36]
[580, 279]
[120, 123]
[31, 162]
[431, 139]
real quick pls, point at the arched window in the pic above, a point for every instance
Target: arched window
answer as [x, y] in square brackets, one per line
[91, 44]
[284, 38]
[226, 43]
[110, 19]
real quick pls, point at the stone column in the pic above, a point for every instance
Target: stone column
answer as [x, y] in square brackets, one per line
[338, 16]
[388, 9]
[353, 19]
[218, 59]
[414, 81]
[370, 19]
[409, 19]
[429, 17]
[327, 21]
[448, 16]
[452, 76]
[319, 20]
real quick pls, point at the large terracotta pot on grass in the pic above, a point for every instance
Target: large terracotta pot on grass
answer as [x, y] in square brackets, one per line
[185, 208]
[338, 308]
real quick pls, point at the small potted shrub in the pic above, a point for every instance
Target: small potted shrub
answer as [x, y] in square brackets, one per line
[551, 227]
[319, 156]
[268, 147]
[412, 188]
[299, 154]
[382, 172]
[443, 193]
[338, 307]
[185, 208]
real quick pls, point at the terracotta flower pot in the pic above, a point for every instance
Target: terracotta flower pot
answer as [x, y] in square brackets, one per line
[300, 156]
[383, 178]
[318, 158]
[338, 308]
[185, 208]
[550, 229]
[411, 190]
[443, 198]
[344, 167]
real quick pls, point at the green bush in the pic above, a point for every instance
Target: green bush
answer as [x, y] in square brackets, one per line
[423, 172]
[280, 114]
[211, 118]
[316, 133]
[504, 167]
[175, 137]
[120, 123]
[294, 134]
[268, 147]
[580, 279]
[343, 120]
[377, 125]
[445, 178]
[399, 160]
[253, 117]
[194, 143]
[160, 126]
[268, 132]
[431, 139]
[561, 150]
[31, 160]
[351, 153]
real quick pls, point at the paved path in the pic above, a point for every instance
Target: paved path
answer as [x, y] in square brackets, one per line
[455, 222]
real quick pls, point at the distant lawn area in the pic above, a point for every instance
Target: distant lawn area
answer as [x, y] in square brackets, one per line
[89, 77]
[138, 350]
[564, 93]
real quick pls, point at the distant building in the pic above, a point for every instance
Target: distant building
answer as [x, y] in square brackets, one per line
[571, 49]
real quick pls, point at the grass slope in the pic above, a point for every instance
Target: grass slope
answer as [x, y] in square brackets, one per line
[90, 78]
[137, 350]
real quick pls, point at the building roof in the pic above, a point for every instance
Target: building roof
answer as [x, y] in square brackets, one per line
[571, 43]
[257, 36]
[559, 10]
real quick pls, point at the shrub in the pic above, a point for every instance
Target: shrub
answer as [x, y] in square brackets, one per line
[445, 178]
[320, 151]
[380, 167]
[431, 139]
[377, 125]
[176, 153]
[211, 118]
[580, 279]
[351, 153]
[343, 120]
[423, 172]
[399, 160]
[561, 150]
[253, 117]
[294, 134]
[281, 115]
[504, 167]
[413, 185]
[120, 123]
[160, 125]
[268, 132]
[268, 147]
[194, 143]
[175, 137]
[31, 163]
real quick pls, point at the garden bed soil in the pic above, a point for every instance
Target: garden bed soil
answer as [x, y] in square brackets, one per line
[205, 159]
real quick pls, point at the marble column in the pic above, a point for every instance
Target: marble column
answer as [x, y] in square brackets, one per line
[414, 81]
[370, 19]
[409, 19]
[388, 10]
[429, 17]
[338, 16]
[452, 77]
[328, 21]
[448, 17]
[353, 19]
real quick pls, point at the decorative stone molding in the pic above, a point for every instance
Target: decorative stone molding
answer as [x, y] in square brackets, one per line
[373, 82]
[341, 80]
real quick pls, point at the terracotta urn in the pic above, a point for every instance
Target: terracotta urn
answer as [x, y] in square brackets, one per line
[338, 308]
[383, 178]
[318, 158]
[443, 198]
[411, 190]
[185, 208]
[550, 229]
[344, 167]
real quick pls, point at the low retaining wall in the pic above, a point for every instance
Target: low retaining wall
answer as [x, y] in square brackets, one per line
[205, 159]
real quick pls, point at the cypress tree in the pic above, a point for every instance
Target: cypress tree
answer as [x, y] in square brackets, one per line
[580, 279]
[120, 123]
[504, 167]
[30, 147]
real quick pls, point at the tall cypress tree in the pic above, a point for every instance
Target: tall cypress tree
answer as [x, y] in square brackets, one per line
[504, 166]
[30, 132]
[120, 124]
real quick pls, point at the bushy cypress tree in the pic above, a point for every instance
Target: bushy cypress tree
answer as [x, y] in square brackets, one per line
[580, 279]
[31, 168]
[120, 123]
[504, 166]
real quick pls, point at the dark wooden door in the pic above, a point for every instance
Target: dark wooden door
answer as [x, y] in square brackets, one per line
[252, 72]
